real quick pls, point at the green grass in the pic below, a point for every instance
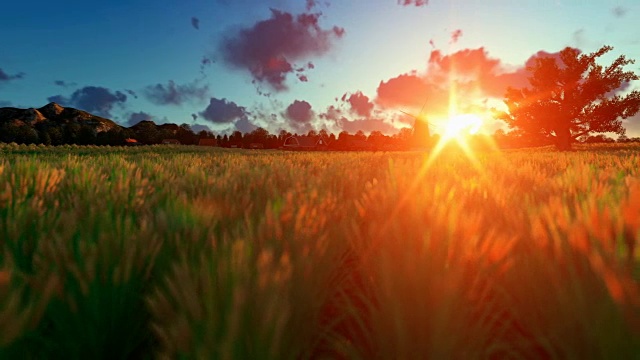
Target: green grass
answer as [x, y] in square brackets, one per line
[186, 252]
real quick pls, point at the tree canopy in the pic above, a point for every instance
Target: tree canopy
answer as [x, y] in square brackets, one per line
[572, 96]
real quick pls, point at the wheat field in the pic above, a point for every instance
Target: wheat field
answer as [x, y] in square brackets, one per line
[190, 253]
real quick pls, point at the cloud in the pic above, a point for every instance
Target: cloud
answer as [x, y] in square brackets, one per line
[366, 125]
[579, 37]
[222, 111]
[299, 112]
[132, 93]
[5, 103]
[94, 99]
[544, 54]
[270, 47]
[64, 84]
[195, 22]
[196, 128]
[333, 113]
[360, 103]
[455, 36]
[244, 125]
[310, 5]
[172, 94]
[413, 2]
[4, 77]
[403, 90]
[467, 76]
[136, 117]
[619, 11]
[632, 125]
[194, 116]
[338, 119]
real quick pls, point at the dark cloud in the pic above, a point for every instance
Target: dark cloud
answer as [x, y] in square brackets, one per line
[543, 54]
[194, 116]
[196, 128]
[204, 63]
[310, 5]
[360, 103]
[299, 111]
[65, 84]
[619, 11]
[131, 92]
[94, 99]
[333, 114]
[270, 47]
[195, 22]
[413, 2]
[136, 117]
[5, 103]
[172, 94]
[244, 125]
[455, 36]
[4, 77]
[222, 111]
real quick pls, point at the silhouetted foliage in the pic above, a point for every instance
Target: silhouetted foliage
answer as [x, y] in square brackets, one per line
[595, 139]
[572, 97]
[19, 133]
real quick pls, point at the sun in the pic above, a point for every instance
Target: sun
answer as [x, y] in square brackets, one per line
[460, 126]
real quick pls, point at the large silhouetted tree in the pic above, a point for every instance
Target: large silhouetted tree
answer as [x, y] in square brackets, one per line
[573, 96]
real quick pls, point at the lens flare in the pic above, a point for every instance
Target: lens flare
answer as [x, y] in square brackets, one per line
[459, 126]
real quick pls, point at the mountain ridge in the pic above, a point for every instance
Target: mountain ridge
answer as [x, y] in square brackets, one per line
[56, 124]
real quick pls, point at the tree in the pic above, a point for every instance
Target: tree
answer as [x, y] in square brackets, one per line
[376, 139]
[19, 133]
[259, 135]
[573, 97]
[185, 135]
[147, 133]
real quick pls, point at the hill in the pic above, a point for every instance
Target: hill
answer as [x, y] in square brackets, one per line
[54, 124]
[53, 114]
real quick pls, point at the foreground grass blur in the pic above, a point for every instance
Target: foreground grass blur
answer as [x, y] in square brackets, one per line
[181, 252]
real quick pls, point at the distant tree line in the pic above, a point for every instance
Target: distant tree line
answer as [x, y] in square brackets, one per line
[147, 133]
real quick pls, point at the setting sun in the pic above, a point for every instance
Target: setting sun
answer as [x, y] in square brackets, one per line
[462, 125]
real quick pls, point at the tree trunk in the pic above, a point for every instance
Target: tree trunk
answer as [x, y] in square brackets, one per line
[563, 138]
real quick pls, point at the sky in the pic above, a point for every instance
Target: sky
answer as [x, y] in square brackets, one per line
[295, 65]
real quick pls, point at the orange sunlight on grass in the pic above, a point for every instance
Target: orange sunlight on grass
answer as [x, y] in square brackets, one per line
[458, 130]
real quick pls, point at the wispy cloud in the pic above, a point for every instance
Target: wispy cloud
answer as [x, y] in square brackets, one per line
[65, 84]
[413, 2]
[173, 94]
[4, 77]
[619, 11]
[455, 36]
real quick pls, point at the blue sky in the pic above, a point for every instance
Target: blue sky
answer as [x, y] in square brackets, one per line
[291, 64]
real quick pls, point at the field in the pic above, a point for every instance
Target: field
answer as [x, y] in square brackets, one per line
[182, 252]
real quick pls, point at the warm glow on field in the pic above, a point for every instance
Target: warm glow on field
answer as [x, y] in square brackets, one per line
[462, 125]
